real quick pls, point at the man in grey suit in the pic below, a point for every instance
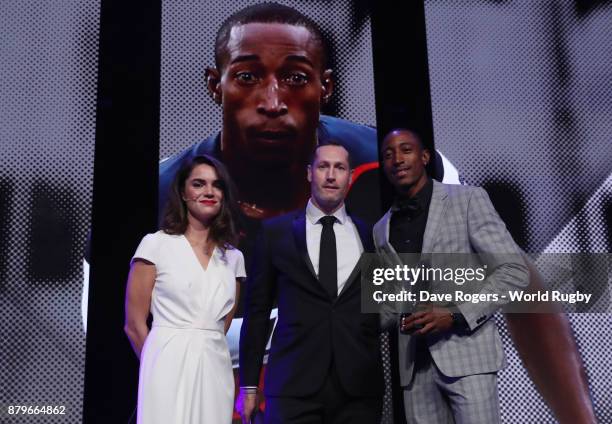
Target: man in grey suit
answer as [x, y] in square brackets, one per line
[448, 355]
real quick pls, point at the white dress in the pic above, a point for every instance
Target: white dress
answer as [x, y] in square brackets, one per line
[185, 367]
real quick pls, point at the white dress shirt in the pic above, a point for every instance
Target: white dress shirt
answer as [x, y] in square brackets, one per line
[348, 242]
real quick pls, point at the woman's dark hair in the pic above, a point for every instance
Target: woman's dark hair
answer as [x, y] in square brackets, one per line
[223, 228]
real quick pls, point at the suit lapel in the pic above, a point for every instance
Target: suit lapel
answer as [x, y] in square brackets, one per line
[383, 240]
[434, 218]
[299, 233]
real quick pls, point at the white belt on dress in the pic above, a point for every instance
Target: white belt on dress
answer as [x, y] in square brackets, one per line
[218, 329]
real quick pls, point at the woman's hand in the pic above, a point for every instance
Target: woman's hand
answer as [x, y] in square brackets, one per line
[230, 315]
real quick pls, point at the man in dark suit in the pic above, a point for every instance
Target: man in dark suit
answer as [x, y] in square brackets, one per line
[324, 364]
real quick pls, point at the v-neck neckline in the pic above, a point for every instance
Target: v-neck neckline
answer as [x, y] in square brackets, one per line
[195, 256]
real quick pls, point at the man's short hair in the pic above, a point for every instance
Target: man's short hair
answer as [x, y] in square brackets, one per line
[267, 13]
[313, 155]
[412, 132]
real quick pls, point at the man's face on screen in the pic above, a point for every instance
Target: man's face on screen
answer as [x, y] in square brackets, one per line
[271, 87]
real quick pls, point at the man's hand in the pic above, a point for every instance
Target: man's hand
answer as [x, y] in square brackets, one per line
[246, 405]
[430, 319]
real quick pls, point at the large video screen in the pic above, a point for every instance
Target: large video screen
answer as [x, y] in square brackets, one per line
[48, 80]
[521, 106]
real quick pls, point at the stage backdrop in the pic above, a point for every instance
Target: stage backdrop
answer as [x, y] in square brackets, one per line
[521, 100]
[48, 74]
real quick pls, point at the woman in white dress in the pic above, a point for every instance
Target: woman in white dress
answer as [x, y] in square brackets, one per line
[187, 276]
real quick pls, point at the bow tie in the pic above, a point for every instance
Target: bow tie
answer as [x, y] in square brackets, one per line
[409, 206]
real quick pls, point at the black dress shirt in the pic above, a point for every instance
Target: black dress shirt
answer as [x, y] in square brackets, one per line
[407, 227]
[408, 220]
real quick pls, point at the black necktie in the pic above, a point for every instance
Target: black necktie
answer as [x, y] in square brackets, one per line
[328, 268]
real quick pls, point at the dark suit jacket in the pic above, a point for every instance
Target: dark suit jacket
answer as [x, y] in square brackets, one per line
[313, 332]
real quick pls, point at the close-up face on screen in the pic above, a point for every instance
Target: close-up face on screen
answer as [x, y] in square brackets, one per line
[267, 212]
[261, 116]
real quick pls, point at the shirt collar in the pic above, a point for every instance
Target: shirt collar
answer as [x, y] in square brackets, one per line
[314, 214]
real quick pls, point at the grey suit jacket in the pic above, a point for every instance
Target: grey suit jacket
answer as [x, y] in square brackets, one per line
[461, 219]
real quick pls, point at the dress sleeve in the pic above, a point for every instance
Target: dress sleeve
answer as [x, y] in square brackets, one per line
[238, 264]
[147, 249]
